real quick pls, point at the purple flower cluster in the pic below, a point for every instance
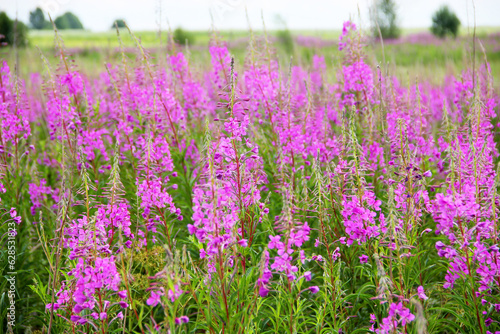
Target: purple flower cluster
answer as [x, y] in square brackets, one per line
[190, 193]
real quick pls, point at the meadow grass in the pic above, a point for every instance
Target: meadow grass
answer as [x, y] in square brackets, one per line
[406, 60]
[222, 189]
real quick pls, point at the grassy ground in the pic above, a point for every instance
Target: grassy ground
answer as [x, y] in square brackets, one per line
[404, 59]
[84, 38]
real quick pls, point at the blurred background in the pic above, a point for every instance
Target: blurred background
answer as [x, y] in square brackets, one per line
[428, 37]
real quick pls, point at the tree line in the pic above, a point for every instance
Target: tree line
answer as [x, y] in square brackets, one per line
[385, 23]
[383, 15]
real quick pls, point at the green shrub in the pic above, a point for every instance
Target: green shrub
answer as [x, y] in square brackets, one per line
[120, 23]
[68, 21]
[38, 21]
[181, 36]
[384, 17]
[286, 39]
[13, 31]
[445, 22]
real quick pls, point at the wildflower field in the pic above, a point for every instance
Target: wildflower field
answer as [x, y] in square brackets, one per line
[176, 194]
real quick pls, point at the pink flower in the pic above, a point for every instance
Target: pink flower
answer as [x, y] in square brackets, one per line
[275, 242]
[336, 254]
[78, 308]
[363, 258]
[122, 294]
[421, 293]
[314, 289]
[154, 299]
[263, 291]
[318, 258]
[302, 255]
[13, 215]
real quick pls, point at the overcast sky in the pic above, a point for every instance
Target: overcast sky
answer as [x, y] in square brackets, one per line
[98, 15]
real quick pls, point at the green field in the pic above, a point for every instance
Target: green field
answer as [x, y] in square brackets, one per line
[404, 59]
[84, 38]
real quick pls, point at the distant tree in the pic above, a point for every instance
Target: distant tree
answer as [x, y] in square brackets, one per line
[286, 39]
[445, 22]
[284, 35]
[384, 16]
[38, 21]
[12, 31]
[120, 23]
[68, 21]
[180, 36]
